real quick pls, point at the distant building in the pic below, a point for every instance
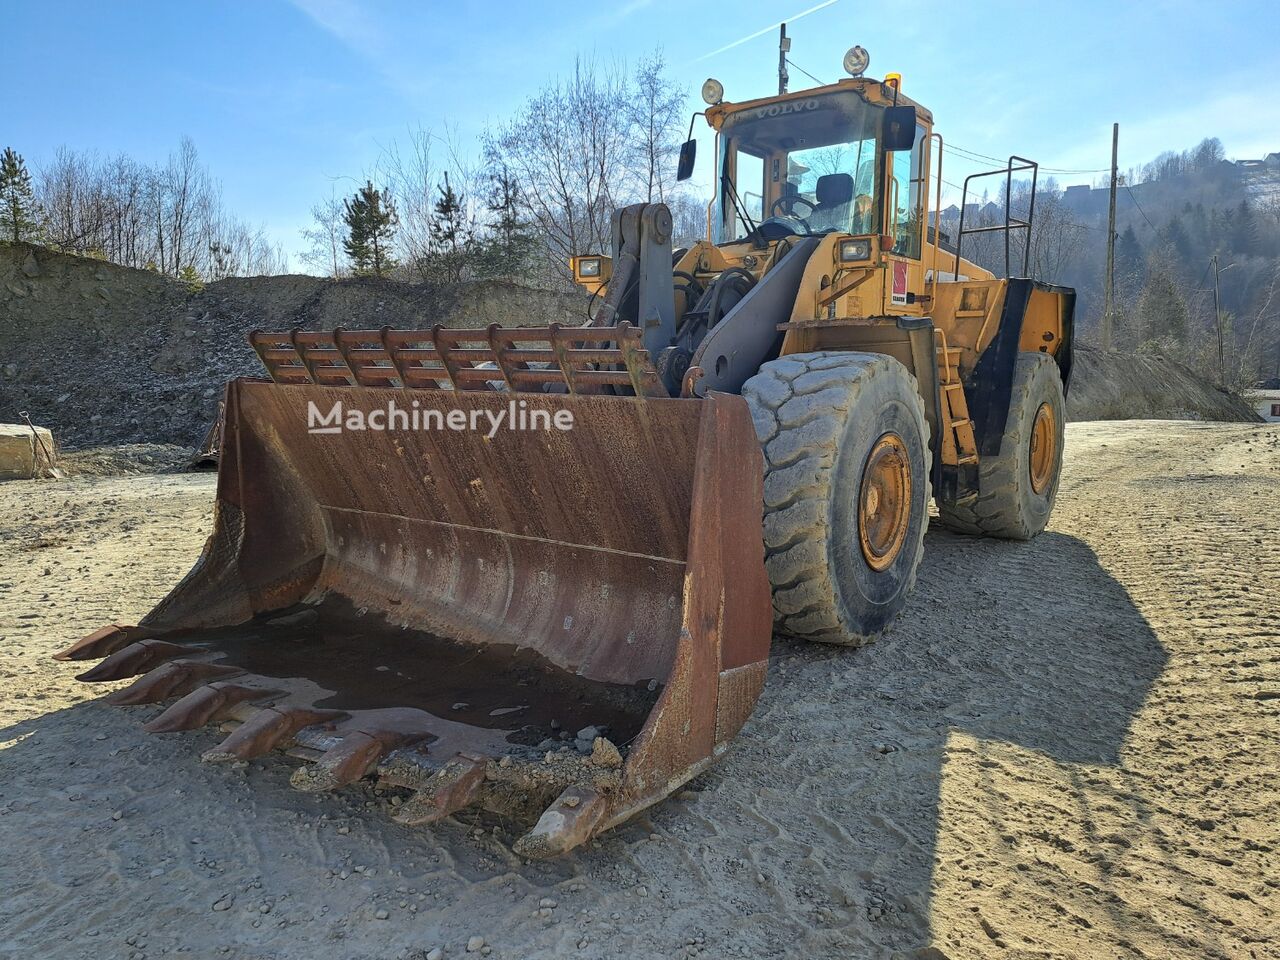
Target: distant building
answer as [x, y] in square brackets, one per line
[1270, 162]
[1265, 397]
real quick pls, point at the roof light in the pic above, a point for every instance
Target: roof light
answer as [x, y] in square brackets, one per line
[712, 91]
[856, 61]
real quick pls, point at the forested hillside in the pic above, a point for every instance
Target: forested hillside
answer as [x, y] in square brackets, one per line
[1174, 216]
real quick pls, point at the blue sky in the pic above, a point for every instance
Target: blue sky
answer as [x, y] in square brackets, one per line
[284, 99]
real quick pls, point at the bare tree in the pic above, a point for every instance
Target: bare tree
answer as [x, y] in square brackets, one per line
[324, 237]
[67, 191]
[410, 172]
[1056, 235]
[656, 107]
[184, 197]
[416, 174]
[1265, 326]
[169, 217]
[688, 217]
[568, 149]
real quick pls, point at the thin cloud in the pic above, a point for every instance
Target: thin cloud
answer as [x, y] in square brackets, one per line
[353, 26]
[346, 21]
[761, 32]
[635, 6]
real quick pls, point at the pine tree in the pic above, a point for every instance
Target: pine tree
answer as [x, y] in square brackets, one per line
[1225, 232]
[447, 221]
[452, 246]
[503, 203]
[371, 229]
[1128, 265]
[1175, 236]
[510, 245]
[220, 259]
[190, 277]
[1245, 236]
[1162, 311]
[19, 211]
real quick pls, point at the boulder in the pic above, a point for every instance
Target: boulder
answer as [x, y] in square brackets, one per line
[26, 452]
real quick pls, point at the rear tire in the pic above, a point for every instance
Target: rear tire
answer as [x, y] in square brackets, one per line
[846, 490]
[1017, 487]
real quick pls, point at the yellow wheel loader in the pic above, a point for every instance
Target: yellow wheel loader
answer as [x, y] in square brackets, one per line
[537, 569]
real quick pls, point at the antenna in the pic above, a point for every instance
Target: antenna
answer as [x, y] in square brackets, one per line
[784, 47]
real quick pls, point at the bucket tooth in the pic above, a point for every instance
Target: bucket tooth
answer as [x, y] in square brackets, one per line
[169, 680]
[266, 730]
[453, 787]
[205, 704]
[573, 819]
[351, 760]
[135, 659]
[102, 642]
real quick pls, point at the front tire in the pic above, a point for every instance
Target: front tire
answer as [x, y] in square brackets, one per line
[1017, 487]
[846, 490]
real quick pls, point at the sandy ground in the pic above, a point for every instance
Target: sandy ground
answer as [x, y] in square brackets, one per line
[1067, 748]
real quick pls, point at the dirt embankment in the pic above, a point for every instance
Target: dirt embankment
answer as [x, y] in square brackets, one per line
[1125, 386]
[106, 354]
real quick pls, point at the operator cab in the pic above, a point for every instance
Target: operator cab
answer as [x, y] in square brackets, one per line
[819, 163]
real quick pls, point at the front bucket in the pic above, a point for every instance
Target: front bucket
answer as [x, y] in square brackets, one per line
[512, 617]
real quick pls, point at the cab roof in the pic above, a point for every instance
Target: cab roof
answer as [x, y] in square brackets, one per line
[873, 91]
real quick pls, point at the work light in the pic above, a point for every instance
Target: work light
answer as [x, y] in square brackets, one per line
[712, 91]
[855, 249]
[856, 61]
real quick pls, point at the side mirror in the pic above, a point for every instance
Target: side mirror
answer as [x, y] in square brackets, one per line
[898, 131]
[688, 152]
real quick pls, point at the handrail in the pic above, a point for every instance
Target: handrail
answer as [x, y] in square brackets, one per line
[937, 207]
[715, 187]
[1010, 222]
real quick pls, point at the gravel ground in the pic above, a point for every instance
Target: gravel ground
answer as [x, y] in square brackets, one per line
[1066, 748]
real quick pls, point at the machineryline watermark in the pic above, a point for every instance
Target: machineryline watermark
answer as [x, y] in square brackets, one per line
[516, 416]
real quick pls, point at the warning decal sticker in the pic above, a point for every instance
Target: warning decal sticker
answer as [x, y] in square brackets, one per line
[899, 282]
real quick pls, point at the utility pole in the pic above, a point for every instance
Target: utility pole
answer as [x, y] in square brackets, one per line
[784, 47]
[1109, 294]
[1217, 323]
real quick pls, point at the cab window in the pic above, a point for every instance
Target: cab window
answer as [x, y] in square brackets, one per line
[906, 196]
[750, 183]
[812, 164]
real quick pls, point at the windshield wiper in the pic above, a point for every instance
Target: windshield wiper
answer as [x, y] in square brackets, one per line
[740, 209]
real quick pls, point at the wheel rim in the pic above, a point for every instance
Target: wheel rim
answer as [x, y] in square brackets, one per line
[1044, 442]
[884, 502]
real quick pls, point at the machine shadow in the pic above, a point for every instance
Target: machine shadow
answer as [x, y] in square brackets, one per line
[1013, 647]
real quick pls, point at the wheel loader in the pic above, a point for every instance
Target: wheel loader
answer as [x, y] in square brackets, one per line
[538, 569]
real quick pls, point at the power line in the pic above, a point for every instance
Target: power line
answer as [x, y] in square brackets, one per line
[1139, 206]
[1207, 267]
[975, 155]
[821, 83]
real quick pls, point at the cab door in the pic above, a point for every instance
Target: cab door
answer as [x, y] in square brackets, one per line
[905, 192]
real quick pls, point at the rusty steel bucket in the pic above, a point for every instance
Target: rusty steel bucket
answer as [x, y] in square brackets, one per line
[446, 609]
